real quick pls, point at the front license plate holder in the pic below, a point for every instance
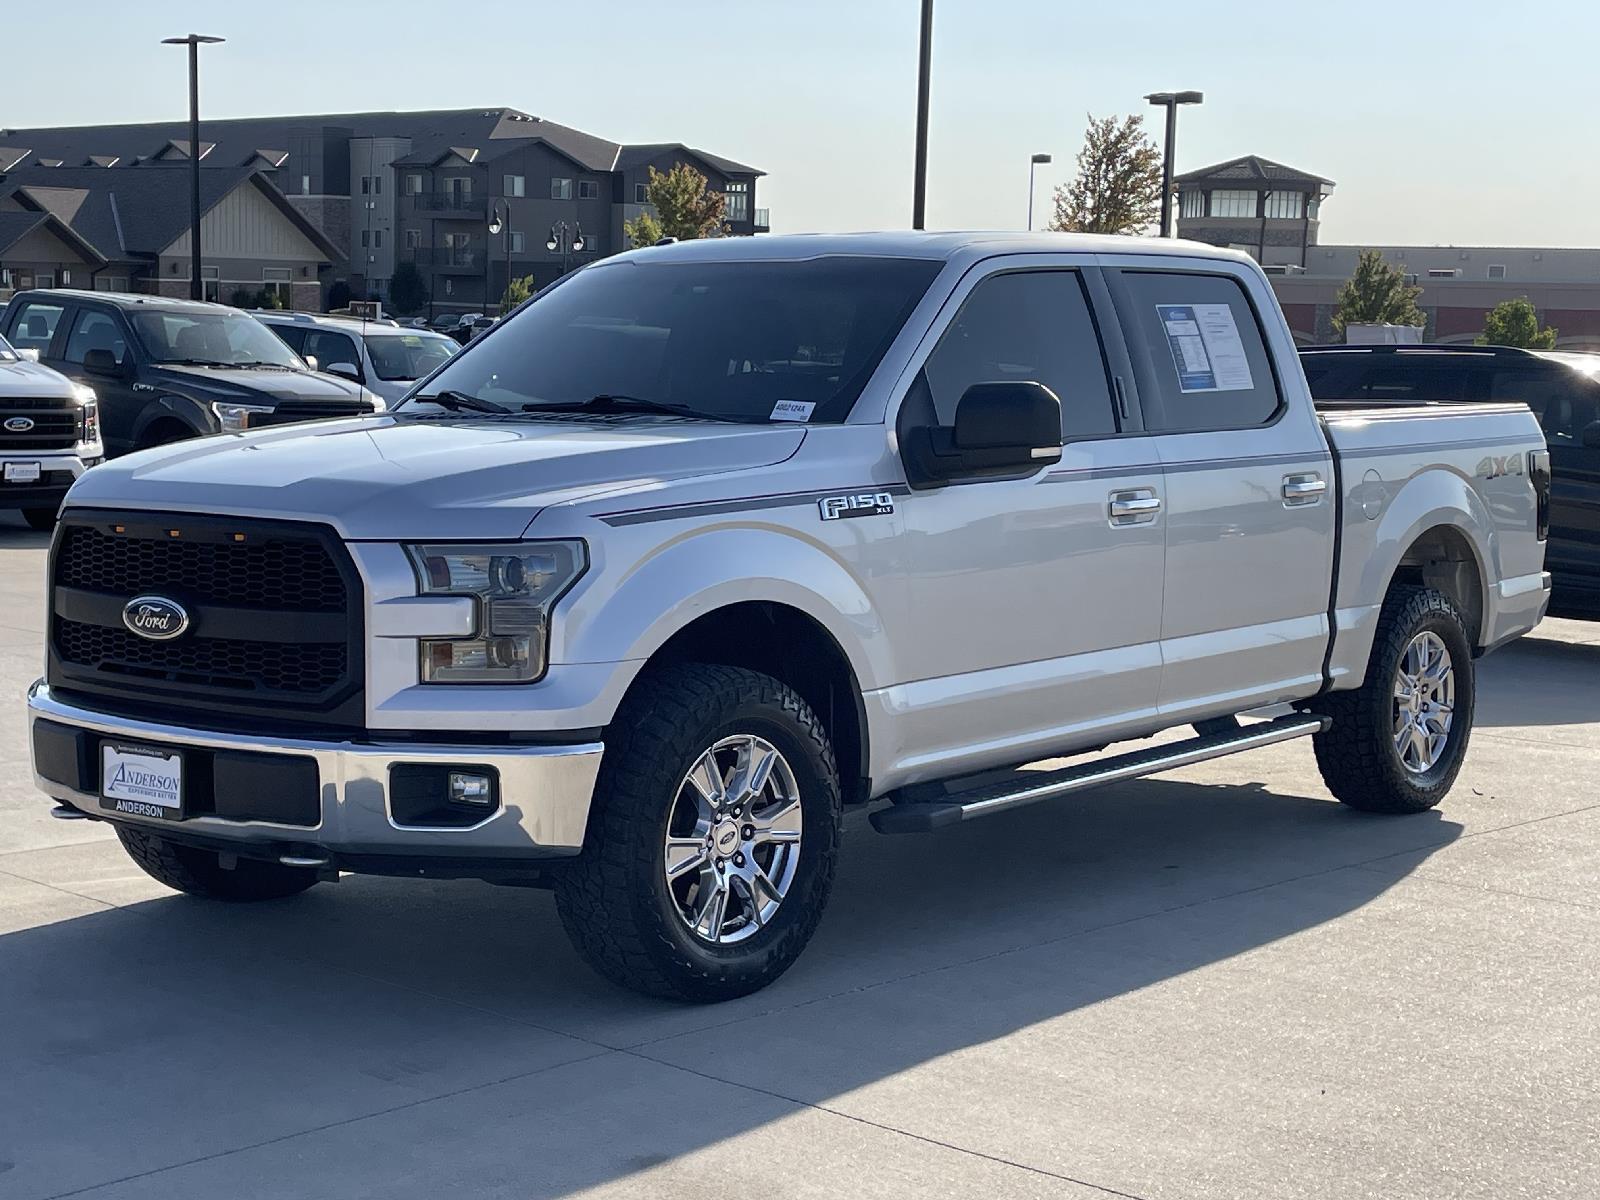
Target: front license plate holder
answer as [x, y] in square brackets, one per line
[23, 472]
[141, 781]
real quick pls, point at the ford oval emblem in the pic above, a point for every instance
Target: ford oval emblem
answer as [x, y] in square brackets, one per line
[18, 424]
[155, 617]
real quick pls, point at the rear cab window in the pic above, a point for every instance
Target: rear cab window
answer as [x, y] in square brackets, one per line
[1204, 361]
[34, 326]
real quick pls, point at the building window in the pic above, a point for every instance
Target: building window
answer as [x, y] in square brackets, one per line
[305, 185]
[641, 193]
[111, 283]
[66, 276]
[377, 239]
[588, 189]
[1442, 272]
[366, 238]
[211, 284]
[414, 184]
[44, 279]
[413, 239]
[1233, 204]
[458, 249]
[377, 185]
[1193, 204]
[561, 189]
[276, 280]
[1497, 270]
[366, 184]
[1282, 206]
[516, 241]
[738, 201]
[514, 185]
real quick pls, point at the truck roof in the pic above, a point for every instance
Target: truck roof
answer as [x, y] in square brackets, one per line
[128, 300]
[938, 246]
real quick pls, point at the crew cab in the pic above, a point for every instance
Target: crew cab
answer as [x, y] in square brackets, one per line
[1562, 388]
[380, 355]
[165, 370]
[49, 436]
[708, 541]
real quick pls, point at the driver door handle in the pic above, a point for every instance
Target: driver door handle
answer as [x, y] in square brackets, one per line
[1134, 506]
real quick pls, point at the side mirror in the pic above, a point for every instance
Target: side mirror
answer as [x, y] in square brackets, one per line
[1591, 436]
[1005, 428]
[101, 362]
[311, 361]
[30, 354]
[348, 370]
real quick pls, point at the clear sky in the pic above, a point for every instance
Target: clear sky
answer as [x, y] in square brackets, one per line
[1465, 123]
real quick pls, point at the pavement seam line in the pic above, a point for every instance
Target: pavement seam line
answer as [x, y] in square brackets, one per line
[104, 904]
[273, 1141]
[1414, 877]
[871, 1124]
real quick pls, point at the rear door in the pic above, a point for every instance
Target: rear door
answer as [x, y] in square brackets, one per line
[1249, 505]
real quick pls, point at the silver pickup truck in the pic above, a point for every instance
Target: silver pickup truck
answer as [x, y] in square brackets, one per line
[637, 594]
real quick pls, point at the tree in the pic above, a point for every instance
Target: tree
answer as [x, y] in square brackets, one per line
[1377, 294]
[407, 291]
[1514, 323]
[685, 208]
[517, 291]
[339, 295]
[1118, 185]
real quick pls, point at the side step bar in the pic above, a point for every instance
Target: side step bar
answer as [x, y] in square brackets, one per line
[1030, 787]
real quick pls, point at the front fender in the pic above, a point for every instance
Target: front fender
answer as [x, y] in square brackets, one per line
[629, 615]
[195, 415]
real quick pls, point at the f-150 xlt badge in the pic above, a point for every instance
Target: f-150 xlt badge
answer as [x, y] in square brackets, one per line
[859, 504]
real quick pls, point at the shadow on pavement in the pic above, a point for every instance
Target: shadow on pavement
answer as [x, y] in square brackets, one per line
[1539, 681]
[174, 1031]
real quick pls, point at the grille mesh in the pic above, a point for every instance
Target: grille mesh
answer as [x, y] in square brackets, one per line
[282, 667]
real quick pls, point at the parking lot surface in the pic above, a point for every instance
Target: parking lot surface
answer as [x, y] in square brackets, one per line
[1217, 983]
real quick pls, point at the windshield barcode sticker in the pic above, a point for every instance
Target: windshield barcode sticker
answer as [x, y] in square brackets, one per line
[792, 410]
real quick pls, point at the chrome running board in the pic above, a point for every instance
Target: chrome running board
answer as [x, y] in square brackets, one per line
[1030, 787]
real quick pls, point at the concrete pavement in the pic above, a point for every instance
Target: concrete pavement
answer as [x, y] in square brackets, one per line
[1215, 984]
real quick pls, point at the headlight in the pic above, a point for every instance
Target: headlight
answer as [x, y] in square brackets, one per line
[235, 418]
[516, 585]
[88, 415]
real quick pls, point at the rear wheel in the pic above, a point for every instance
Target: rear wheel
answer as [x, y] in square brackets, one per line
[712, 843]
[42, 519]
[1398, 742]
[201, 873]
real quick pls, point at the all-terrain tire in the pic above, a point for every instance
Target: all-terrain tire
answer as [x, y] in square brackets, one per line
[614, 899]
[200, 872]
[1357, 754]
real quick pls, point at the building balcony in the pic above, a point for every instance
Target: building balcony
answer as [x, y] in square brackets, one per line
[449, 204]
[448, 260]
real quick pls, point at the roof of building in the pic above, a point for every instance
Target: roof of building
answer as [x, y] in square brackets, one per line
[433, 133]
[14, 226]
[128, 215]
[1251, 168]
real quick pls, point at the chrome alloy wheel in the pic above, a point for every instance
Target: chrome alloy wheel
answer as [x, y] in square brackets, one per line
[733, 839]
[1424, 702]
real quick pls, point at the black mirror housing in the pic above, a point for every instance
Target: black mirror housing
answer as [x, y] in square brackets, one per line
[101, 362]
[1003, 428]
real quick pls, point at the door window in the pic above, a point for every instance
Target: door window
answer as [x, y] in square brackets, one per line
[96, 330]
[330, 348]
[1206, 363]
[1565, 402]
[1032, 326]
[35, 326]
[293, 336]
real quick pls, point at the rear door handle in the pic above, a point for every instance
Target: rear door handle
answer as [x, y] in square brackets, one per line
[1303, 489]
[1136, 506]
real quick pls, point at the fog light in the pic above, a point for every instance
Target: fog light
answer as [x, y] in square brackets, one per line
[468, 788]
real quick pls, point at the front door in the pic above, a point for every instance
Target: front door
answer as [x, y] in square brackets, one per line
[1034, 602]
[102, 330]
[1250, 507]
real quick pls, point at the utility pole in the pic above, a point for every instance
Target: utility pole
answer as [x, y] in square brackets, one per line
[919, 193]
[194, 41]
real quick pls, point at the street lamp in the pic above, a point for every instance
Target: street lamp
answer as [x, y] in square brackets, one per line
[566, 238]
[919, 185]
[1033, 162]
[194, 41]
[496, 224]
[1170, 101]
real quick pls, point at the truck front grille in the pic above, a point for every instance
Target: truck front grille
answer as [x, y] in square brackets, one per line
[274, 614]
[52, 423]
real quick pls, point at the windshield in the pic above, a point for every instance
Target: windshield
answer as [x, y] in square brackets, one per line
[408, 356]
[734, 340]
[215, 338]
[7, 354]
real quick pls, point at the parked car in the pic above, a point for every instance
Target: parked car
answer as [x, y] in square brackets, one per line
[472, 328]
[1561, 387]
[49, 436]
[382, 356]
[714, 539]
[451, 323]
[165, 370]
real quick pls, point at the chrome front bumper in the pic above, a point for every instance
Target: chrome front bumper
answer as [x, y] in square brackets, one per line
[545, 791]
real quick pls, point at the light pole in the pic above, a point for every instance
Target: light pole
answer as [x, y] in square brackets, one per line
[1035, 161]
[496, 224]
[919, 186]
[566, 238]
[194, 42]
[1170, 101]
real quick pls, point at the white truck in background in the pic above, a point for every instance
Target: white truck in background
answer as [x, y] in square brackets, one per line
[632, 597]
[49, 435]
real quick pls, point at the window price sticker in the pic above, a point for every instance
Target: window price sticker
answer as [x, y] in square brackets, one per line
[1206, 348]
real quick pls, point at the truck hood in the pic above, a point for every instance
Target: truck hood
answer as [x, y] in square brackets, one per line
[381, 478]
[258, 385]
[27, 379]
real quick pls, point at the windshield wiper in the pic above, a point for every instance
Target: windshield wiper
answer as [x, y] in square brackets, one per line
[277, 366]
[615, 402]
[459, 402]
[191, 362]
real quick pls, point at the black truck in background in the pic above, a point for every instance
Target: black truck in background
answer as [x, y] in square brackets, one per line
[166, 369]
[1561, 387]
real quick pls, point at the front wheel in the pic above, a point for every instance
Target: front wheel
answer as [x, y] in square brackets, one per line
[1398, 742]
[711, 847]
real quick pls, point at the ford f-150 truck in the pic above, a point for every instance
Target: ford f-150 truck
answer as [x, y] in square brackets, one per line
[49, 435]
[709, 541]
